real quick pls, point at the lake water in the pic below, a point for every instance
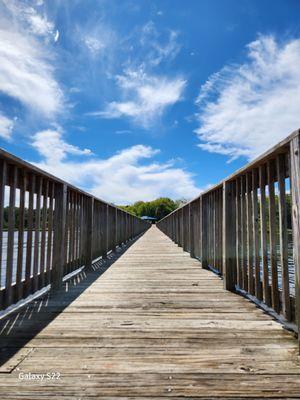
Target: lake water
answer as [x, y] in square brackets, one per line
[15, 255]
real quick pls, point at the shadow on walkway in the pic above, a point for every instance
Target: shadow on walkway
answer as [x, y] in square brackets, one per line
[22, 325]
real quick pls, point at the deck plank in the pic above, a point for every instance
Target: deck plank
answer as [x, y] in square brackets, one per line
[152, 325]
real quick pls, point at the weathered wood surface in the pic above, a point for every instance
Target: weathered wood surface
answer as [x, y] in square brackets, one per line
[153, 325]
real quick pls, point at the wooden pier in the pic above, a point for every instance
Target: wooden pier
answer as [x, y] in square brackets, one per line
[206, 304]
[152, 325]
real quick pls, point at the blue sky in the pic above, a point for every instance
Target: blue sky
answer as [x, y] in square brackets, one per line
[132, 100]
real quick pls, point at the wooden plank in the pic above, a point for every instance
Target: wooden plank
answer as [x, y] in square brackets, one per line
[178, 227]
[208, 228]
[3, 173]
[263, 230]
[295, 190]
[203, 227]
[37, 224]
[11, 236]
[83, 233]
[283, 239]
[185, 219]
[77, 258]
[50, 230]
[272, 233]
[238, 233]
[104, 229]
[256, 247]
[213, 231]
[44, 232]
[60, 212]
[30, 228]
[244, 234]
[71, 232]
[89, 231]
[20, 256]
[181, 225]
[153, 317]
[196, 223]
[192, 212]
[75, 249]
[114, 229]
[220, 229]
[229, 242]
[249, 216]
[216, 231]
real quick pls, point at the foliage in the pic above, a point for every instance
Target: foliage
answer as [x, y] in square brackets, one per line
[158, 208]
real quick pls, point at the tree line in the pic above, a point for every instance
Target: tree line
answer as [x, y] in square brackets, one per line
[158, 209]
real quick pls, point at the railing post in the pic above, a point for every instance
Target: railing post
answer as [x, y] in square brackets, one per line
[115, 236]
[295, 187]
[105, 230]
[192, 230]
[229, 231]
[89, 232]
[203, 229]
[175, 228]
[185, 228]
[60, 214]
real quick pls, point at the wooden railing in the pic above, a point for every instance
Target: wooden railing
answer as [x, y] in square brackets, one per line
[49, 229]
[247, 229]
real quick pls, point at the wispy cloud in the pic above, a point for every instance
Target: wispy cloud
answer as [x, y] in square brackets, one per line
[35, 22]
[159, 46]
[245, 108]
[6, 127]
[94, 44]
[146, 97]
[123, 178]
[123, 131]
[143, 93]
[99, 39]
[27, 71]
[26, 74]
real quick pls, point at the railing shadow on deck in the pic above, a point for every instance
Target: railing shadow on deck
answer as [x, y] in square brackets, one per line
[23, 324]
[49, 230]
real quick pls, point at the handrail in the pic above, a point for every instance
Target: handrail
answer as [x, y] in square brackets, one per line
[243, 229]
[50, 228]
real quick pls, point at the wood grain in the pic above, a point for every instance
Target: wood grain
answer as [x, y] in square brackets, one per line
[153, 325]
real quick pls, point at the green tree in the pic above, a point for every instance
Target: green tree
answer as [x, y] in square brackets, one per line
[157, 208]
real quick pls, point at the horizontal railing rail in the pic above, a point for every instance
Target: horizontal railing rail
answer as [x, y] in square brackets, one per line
[49, 229]
[247, 229]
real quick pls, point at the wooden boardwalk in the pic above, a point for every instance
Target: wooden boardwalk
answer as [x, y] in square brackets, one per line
[152, 325]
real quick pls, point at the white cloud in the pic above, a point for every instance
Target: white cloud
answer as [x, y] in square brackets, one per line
[51, 146]
[6, 127]
[40, 25]
[36, 23]
[27, 65]
[159, 46]
[94, 44]
[122, 178]
[27, 75]
[145, 97]
[246, 108]
[99, 39]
